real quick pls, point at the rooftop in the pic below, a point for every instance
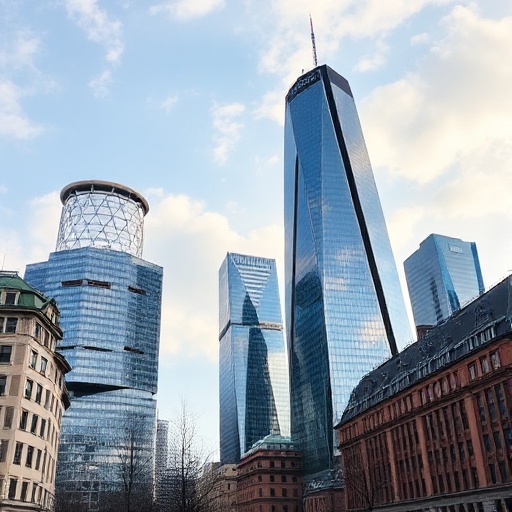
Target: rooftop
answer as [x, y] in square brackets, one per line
[485, 319]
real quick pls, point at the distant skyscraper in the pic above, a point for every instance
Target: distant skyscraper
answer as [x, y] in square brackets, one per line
[253, 374]
[345, 311]
[109, 300]
[442, 275]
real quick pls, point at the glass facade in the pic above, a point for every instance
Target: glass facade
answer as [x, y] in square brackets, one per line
[110, 305]
[345, 311]
[253, 370]
[442, 275]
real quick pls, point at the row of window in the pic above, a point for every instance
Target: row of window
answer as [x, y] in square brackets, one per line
[20, 490]
[98, 284]
[484, 365]
[9, 325]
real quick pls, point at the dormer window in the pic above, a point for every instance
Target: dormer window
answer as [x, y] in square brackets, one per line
[9, 297]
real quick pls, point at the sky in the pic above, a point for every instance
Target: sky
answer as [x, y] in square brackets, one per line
[183, 101]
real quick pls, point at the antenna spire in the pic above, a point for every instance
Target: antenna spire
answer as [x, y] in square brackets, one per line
[313, 41]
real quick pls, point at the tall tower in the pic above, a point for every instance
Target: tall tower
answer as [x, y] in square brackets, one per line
[442, 275]
[110, 313]
[345, 312]
[253, 373]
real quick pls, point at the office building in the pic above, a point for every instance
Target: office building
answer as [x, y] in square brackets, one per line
[431, 429]
[109, 300]
[33, 396]
[345, 312]
[253, 371]
[442, 275]
[162, 464]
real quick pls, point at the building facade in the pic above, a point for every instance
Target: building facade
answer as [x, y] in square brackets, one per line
[110, 301]
[33, 396]
[431, 429]
[269, 477]
[161, 463]
[223, 495]
[345, 312]
[442, 275]
[253, 370]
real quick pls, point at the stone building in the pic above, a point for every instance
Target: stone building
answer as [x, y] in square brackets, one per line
[33, 396]
[269, 477]
[223, 494]
[431, 429]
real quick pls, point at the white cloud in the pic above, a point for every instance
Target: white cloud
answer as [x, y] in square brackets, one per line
[100, 85]
[227, 129]
[192, 242]
[98, 26]
[425, 124]
[13, 120]
[169, 102]
[187, 9]
[19, 78]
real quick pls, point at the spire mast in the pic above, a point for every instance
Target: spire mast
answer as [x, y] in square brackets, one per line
[313, 41]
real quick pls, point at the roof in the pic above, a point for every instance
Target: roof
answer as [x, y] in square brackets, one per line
[105, 187]
[29, 296]
[271, 442]
[485, 319]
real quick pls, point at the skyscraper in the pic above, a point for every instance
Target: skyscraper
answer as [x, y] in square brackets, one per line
[253, 371]
[109, 300]
[442, 275]
[345, 311]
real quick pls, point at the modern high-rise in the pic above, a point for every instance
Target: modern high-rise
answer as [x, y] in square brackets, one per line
[253, 369]
[110, 301]
[442, 275]
[345, 312]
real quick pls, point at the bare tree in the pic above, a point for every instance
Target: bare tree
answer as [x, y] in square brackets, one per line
[191, 476]
[365, 487]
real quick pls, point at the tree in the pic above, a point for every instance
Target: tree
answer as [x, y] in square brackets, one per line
[191, 477]
[132, 463]
[364, 486]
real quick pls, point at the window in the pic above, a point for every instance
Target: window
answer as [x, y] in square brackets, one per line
[38, 459]
[4, 445]
[3, 384]
[23, 420]
[5, 354]
[472, 371]
[271, 478]
[8, 325]
[28, 389]
[47, 399]
[17, 454]
[39, 393]
[44, 364]
[33, 426]
[12, 488]
[42, 428]
[283, 478]
[37, 330]
[24, 488]
[30, 454]
[33, 359]
[10, 298]
[272, 492]
[9, 415]
[284, 492]
[495, 360]
[484, 363]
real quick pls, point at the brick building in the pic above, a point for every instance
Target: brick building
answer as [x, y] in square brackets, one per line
[269, 477]
[431, 429]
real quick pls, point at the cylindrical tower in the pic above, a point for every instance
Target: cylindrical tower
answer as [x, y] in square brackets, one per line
[102, 214]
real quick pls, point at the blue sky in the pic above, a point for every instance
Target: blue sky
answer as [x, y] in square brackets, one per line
[183, 101]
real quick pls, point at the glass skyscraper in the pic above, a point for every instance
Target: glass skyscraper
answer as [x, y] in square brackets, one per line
[442, 275]
[253, 370]
[345, 312]
[109, 300]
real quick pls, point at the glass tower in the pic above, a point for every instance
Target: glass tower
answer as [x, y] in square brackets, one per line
[109, 300]
[345, 311]
[253, 370]
[442, 275]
